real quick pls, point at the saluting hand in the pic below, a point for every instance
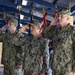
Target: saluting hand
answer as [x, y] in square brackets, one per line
[54, 21]
[4, 28]
[23, 29]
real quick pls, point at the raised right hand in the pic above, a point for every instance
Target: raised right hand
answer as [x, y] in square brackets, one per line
[23, 29]
[54, 22]
[4, 28]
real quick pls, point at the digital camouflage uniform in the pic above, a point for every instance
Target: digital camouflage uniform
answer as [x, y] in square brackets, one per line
[8, 52]
[33, 50]
[63, 61]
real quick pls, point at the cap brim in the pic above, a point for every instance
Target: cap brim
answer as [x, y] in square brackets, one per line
[34, 24]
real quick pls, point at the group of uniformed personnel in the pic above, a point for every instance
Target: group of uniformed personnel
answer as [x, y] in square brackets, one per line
[21, 54]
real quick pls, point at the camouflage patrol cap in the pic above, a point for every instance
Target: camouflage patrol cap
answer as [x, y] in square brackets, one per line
[15, 21]
[64, 12]
[35, 23]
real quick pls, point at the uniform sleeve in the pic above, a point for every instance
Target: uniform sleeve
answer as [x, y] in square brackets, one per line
[45, 65]
[48, 32]
[73, 47]
[19, 56]
[18, 40]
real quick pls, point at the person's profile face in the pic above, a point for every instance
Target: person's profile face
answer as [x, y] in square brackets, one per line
[63, 18]
[10, 25]
[34, 29]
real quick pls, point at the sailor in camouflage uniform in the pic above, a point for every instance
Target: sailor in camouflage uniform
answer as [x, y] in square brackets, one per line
[34, 47]
[9, 50]
[63, 60]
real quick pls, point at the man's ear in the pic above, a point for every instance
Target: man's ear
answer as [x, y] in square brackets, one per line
[68, 18]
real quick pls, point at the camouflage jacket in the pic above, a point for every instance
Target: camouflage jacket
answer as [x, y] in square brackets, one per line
[32, 51]
[8, 50]
[63, 46]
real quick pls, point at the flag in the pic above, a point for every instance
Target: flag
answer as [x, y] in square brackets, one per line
[43, 23]
[56, 15]
[50, 45]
